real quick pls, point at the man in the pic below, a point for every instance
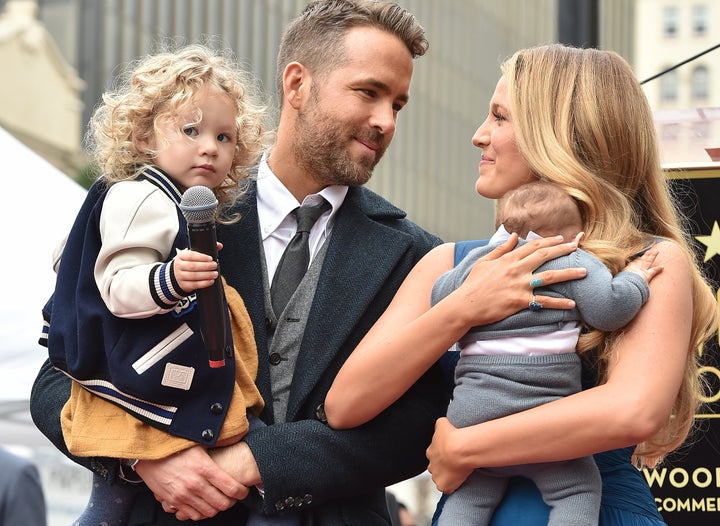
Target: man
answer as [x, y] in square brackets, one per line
[344, 71]
[22, 500]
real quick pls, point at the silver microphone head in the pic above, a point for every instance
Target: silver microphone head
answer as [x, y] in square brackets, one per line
[198, 204]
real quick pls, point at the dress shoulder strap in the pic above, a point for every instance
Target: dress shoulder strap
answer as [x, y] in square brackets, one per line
[463, 247]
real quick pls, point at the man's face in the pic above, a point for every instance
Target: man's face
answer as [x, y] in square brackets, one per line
[349, 118]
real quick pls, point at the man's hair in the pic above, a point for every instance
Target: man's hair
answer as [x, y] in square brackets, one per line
[316, 38]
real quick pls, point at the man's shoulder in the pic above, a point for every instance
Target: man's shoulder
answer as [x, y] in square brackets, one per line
[372, 204]
[379, 209]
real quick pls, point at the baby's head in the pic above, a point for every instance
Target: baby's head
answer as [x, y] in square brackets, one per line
[158, 88]
[540, 206]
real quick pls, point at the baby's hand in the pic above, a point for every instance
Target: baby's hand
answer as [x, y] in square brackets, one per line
[645, 265]
[194, 270]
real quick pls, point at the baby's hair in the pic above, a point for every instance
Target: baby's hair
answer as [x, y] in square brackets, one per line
[541, 206]
[159, 86]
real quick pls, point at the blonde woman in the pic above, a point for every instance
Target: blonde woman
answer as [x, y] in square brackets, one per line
[579, 119]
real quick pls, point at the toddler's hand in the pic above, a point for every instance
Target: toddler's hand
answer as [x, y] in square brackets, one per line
[194, 270]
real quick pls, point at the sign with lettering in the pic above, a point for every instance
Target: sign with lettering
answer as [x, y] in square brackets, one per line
[686, 485]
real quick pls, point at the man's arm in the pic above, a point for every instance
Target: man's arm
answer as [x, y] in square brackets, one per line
[49, 393]
[311, 461]
[22, 498]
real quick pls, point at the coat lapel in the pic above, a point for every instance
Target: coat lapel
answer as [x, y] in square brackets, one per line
[240, 261]
[347, 285]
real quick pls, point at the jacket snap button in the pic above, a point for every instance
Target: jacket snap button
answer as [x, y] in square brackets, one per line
[216, 408]
[207, 435]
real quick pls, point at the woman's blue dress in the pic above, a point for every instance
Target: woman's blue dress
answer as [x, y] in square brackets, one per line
[626, 496]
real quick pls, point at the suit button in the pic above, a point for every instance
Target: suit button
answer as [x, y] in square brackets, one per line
[216, 408]
[307, 499]
[320, 413]
[275, 359]
[207, 435]
[229, 351]
[269, 326]
[279, 505]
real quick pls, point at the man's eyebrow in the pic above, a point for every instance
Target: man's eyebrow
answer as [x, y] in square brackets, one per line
[381, 86]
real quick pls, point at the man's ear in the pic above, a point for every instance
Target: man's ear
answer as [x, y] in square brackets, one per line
[296, 83]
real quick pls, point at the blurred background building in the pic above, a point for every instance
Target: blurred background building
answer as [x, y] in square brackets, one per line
[58, 56]
[686, 100]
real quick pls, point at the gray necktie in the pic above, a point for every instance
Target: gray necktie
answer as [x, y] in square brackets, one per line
[296, 258]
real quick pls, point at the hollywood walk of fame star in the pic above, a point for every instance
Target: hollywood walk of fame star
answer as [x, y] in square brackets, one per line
[712, 242]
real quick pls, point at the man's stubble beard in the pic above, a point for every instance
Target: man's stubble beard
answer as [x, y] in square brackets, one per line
[320, 149]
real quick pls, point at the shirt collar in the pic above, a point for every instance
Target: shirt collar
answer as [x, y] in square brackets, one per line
[275, 202]
[501, 235]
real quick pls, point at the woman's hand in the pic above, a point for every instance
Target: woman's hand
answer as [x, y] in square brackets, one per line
[503, 282]
[445, 466]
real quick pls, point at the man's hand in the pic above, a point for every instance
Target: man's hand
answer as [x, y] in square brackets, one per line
[190, 485]
[238, 461]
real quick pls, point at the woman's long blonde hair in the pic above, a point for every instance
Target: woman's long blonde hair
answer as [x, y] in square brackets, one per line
[583, 122]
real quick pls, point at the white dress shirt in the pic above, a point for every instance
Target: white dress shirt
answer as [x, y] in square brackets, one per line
[278, 225]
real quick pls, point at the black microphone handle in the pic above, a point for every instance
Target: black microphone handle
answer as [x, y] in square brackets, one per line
[203, 238]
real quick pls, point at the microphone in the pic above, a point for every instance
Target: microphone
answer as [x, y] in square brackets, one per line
[198, 205]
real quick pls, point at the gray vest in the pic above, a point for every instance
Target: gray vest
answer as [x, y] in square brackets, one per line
[284, 342]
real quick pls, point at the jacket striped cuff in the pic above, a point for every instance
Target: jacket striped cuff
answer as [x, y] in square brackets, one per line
[165, 290]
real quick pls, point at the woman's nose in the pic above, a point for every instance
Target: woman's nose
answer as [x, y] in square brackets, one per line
[481, 138]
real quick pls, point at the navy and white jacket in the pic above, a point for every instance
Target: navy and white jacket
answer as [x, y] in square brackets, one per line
[148, 357]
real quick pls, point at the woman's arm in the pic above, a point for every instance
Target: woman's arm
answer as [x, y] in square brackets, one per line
[411, 335]
[643, 380]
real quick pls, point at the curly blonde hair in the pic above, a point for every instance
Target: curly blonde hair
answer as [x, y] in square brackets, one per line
[583, 122]
[159, 86]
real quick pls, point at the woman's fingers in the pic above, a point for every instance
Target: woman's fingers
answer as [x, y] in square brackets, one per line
[550, 277]
[538, 251]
